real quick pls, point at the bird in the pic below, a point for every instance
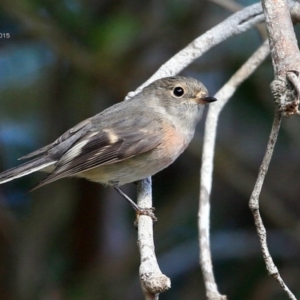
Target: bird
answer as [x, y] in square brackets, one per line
[126, 142]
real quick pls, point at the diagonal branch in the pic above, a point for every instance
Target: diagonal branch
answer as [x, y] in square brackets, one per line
[223, 96]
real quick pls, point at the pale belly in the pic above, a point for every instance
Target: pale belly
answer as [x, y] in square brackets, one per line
[131, 169]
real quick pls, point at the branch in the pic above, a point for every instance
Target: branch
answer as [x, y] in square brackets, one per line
[283, 42]
[285, 55]
[254, 205]
[152, 280]
[223, 96]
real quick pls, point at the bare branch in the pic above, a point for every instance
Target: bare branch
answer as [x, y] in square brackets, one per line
[285, 54]
[152, 280]
[254, 205]
[223, 96]
[283, 42]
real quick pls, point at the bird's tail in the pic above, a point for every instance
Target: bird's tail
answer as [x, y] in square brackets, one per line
[26, 168]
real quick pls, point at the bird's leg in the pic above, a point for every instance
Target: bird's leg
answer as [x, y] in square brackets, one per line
[132, 203]
[140, 211]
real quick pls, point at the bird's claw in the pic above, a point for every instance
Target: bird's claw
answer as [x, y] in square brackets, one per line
[145, 212]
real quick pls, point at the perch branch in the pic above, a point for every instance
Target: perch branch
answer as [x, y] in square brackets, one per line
[223, 96]
[152, 280]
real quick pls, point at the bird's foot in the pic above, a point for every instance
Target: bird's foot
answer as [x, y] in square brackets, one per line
[147, 212]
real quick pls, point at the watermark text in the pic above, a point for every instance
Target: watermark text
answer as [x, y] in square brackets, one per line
[4, 35]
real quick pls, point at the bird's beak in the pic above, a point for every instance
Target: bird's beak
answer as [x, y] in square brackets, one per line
[206, 100]
[209, 99]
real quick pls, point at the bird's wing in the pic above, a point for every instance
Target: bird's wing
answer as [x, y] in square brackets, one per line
[106, 146]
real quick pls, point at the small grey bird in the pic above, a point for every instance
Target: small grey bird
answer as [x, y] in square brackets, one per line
[128, 141]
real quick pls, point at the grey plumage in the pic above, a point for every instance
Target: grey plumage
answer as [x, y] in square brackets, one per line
[123, 132]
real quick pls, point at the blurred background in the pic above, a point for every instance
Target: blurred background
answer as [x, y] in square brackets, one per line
[62, 61]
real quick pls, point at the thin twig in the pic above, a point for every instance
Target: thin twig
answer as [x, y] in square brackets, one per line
[254, 205]
[152, 280]
[207, 165]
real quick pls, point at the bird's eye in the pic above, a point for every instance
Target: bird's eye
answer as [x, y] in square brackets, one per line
[178, 92]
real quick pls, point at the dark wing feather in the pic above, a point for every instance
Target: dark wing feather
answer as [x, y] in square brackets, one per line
[107, 146]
